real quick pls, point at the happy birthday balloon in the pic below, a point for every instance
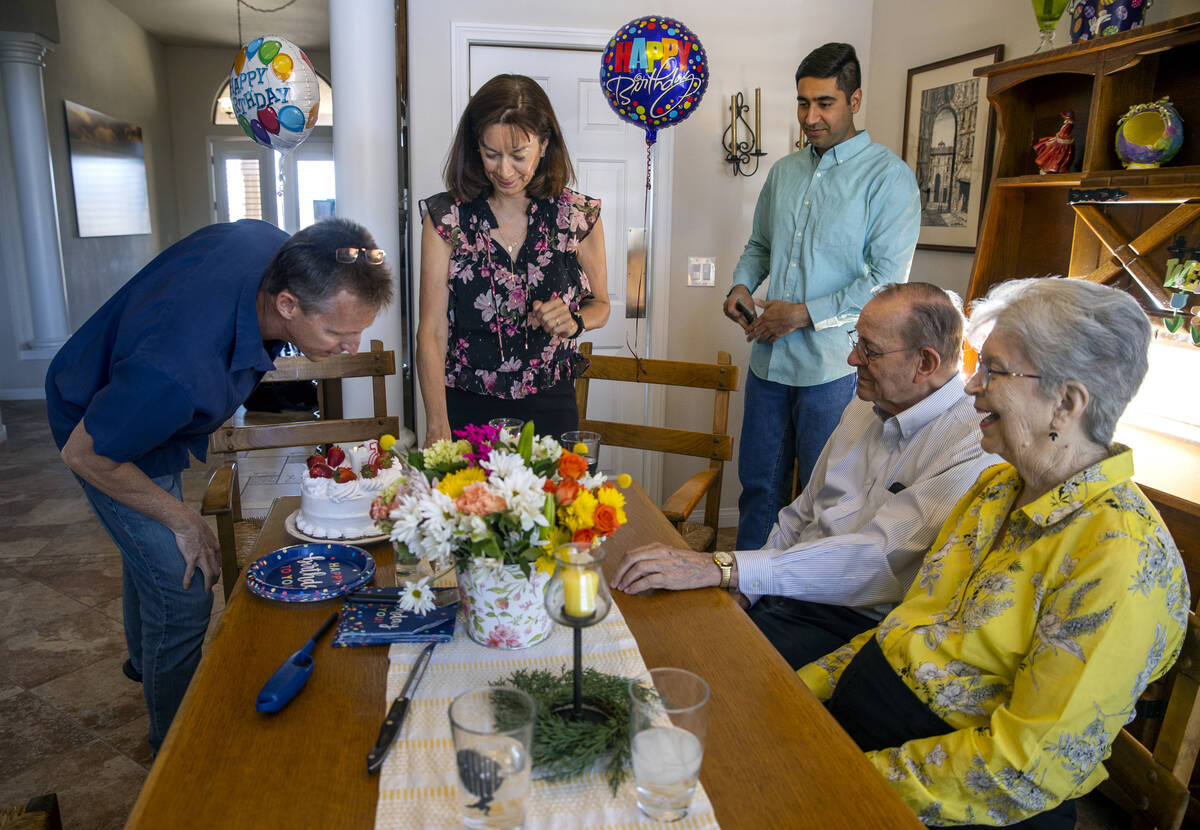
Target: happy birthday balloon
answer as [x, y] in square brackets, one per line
[654, 73]
[275, 92]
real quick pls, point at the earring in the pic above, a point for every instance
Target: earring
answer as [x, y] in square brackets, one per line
[1053, 435]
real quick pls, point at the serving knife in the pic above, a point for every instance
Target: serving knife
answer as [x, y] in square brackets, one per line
[395, 716]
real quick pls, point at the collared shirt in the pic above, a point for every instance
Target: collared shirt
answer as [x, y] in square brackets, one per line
[878, 495]
[1034, 647]
[172, 355]
[828, 229]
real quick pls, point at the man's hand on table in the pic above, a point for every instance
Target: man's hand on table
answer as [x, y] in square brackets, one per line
[658, 566]
[200, 550]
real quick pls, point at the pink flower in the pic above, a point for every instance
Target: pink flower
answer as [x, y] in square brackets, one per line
[502, 604]
[477, 499]
[503, 637]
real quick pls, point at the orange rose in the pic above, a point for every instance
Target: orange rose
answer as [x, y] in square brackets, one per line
[571, 465]
[568, 491]
[605, 519]
[549, 486]
[586, 535]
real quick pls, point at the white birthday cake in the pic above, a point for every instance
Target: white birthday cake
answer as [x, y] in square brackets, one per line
[336, 494]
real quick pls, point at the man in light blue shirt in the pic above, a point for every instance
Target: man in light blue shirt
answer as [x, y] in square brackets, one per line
[833, 221]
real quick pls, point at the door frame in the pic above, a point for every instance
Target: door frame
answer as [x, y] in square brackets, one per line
[465, 35]
[227, 146]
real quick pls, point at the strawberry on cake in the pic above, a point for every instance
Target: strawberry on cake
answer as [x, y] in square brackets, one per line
[336, 494]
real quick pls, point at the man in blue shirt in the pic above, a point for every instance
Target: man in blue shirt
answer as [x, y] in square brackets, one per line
[833, 221]
[161, 365]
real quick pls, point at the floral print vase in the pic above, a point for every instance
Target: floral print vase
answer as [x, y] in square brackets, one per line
[502, 608]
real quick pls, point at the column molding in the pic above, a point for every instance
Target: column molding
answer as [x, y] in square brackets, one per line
[21, 65]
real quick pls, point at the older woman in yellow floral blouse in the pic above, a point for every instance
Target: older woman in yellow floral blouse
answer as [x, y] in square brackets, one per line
[1051, 597]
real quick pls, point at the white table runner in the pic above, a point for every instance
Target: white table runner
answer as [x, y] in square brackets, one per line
[418, 781]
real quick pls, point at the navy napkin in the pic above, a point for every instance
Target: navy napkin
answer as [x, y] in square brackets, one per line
[373, 616]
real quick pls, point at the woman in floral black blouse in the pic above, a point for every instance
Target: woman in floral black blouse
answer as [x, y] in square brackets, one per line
[512, 269]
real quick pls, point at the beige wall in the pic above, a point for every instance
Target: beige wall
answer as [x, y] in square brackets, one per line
[104, 61]
[957, 28]
[195, 76]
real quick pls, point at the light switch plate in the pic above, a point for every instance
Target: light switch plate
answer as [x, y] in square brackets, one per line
[702, 270]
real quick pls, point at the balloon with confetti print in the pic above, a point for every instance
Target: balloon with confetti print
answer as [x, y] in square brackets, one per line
[275, 92]
[654, 73]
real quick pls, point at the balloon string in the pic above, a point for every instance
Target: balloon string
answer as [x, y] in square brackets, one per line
[642, 276]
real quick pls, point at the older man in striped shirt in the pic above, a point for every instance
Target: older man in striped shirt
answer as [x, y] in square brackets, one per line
[844, 552]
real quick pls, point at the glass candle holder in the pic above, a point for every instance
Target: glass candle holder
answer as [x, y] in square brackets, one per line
[577, 596]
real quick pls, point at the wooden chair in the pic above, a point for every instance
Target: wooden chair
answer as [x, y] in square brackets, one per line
[39, 813]
[222, 498]
[717, 446]
[1150, 780]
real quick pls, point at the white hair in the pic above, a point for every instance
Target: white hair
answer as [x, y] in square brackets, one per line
[1072, 330]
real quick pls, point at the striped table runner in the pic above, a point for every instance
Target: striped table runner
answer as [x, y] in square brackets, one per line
[417, 787]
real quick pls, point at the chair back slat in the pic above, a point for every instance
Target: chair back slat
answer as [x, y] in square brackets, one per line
[301, 434]
[360, 365]
[666, 372]
[662, 439]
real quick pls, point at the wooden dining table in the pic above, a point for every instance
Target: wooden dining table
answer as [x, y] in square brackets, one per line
[773, 756]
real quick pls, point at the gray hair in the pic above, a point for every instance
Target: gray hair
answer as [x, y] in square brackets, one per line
[935, 317]
[1073, 330]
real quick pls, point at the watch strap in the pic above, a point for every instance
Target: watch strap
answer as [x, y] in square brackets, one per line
[579, 327]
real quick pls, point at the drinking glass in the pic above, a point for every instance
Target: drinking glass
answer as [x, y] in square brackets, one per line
[492, 729]
[512, 424]
[668, 720]
[1048, 12]
[591, 446]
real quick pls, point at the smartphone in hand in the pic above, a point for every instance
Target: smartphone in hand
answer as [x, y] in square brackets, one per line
[746, 313]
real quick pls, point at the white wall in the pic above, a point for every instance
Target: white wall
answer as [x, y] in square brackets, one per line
[756, 43]
[106, 62]
[916, 32]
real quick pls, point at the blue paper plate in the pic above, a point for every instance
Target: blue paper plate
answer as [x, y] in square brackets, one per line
[310, 573]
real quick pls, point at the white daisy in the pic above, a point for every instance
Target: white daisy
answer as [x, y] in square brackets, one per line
[417, 597]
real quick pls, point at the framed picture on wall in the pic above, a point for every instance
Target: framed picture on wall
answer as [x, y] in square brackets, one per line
[948, 144]
[108, 172]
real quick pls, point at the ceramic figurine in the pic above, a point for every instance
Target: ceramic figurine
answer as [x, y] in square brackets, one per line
[1053, 153]
[1149, 135]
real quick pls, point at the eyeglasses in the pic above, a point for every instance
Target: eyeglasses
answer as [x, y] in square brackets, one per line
[985, 374]
[865, 353]
[347, 256]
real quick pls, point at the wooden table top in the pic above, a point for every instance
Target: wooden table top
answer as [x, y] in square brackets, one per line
[773, 755]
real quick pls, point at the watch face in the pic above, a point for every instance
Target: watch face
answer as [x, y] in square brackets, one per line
[723, 558]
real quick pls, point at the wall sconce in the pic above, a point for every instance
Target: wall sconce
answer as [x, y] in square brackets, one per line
[739, 153]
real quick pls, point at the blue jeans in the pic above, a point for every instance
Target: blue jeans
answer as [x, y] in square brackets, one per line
[164, 624]
[781, 424]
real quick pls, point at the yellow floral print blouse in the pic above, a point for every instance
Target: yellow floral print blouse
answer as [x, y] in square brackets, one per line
[1034, 648]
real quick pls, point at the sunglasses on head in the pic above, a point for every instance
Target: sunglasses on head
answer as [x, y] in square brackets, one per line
[347, 256]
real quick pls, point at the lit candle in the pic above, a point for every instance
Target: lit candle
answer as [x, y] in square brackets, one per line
[757, 117]
[579, 591]
[733, 124]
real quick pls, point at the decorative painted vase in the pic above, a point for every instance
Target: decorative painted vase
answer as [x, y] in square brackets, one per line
[1096, 18]
[1149, 135]
[503, 608]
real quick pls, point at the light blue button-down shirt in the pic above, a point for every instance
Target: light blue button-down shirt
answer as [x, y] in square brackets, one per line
[827, 230]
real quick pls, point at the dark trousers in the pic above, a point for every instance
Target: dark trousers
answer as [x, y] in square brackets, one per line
[878, 711]
[804, 631]
[553, 411]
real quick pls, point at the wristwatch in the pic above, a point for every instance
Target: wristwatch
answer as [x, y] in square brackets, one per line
[725, 563]
[578, 318]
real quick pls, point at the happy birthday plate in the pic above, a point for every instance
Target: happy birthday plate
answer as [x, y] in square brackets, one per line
[310, 573]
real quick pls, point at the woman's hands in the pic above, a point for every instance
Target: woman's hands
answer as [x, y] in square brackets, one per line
[553, 317]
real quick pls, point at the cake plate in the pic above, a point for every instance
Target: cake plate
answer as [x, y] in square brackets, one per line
[290, 525]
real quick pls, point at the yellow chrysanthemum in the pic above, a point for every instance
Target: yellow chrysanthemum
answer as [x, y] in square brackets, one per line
[556, 537]
[386, 442]
[624, 480]
[582, 511]
[580, 448]
[546, 564]
[453, 483]
[610, 496]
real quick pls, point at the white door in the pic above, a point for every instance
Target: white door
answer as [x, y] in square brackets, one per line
[609, 157]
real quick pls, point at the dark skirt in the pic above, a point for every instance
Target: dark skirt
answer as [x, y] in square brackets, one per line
[879, 711]
[553, 411]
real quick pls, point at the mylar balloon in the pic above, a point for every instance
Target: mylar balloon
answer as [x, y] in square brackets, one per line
[654, 73]
[275, 92]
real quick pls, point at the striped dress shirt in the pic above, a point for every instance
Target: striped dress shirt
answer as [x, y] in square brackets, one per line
[877, 498]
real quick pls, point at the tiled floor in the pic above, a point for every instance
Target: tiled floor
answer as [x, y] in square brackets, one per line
[70, 721]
